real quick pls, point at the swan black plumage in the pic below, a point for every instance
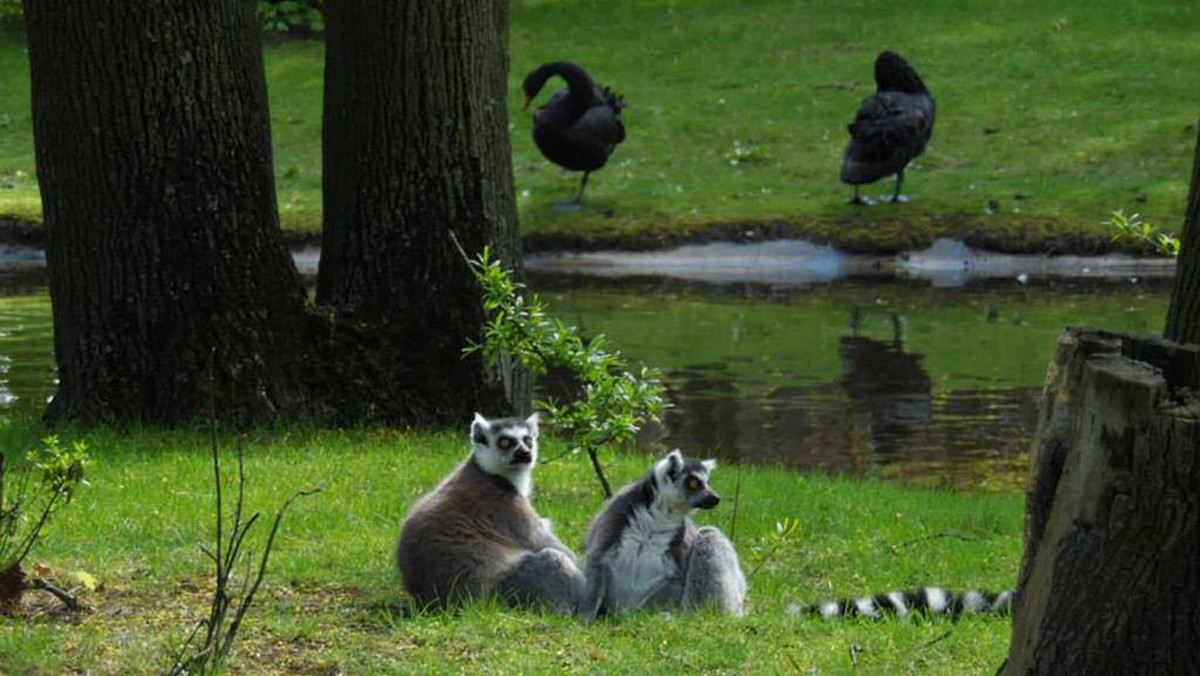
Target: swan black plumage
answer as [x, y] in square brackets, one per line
[891, 128]
[580, 126]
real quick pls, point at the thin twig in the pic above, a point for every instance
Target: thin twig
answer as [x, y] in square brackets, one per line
[560, 456]
[461, 251]
[771, 552]
[31, 538]
[600, 473]
[63, 595]
[936, 536]
[737, 500]
[262, 567]
[943, 637]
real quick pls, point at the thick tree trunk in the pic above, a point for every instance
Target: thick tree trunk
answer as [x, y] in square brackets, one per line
[1183, 316]
[416, 146]
[164, 251]
[1110, 581]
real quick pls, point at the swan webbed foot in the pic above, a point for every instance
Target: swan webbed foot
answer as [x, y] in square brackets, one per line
[567, 206]
[859, 201]
[899, 199]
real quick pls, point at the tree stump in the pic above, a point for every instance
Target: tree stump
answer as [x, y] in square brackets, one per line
[1109, 579]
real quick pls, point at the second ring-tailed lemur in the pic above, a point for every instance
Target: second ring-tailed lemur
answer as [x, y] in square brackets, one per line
[478, 535]
[644, 551]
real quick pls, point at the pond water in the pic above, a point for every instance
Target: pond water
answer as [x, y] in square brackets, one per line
[922, 369]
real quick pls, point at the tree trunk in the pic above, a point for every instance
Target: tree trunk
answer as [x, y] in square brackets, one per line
[1183, 316]
[163, 245]
[170, 282]
[1110, 579]
[416, 147]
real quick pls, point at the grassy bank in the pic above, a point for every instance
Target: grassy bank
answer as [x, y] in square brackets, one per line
[331, 598]
[1051, 116]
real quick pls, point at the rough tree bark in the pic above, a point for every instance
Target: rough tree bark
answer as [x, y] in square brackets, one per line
[163, 245]
[1183, 315]
[1111, 574]
[170, 282]
[1110, 580]
[416, 146]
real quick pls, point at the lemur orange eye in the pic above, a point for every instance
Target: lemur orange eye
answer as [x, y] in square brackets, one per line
[505, 443]
[693, 484]
[528, 441]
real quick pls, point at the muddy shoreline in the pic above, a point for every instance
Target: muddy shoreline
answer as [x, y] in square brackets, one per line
[860, 234]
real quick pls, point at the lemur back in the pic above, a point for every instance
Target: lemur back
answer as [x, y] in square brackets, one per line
[643, 550]
[477, 533]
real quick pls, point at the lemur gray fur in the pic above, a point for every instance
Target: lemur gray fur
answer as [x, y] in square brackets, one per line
[477, 534]
[644, 551]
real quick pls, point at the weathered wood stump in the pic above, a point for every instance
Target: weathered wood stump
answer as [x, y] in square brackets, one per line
[1110, 581]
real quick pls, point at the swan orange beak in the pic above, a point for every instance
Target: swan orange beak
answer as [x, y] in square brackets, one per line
[525, 103]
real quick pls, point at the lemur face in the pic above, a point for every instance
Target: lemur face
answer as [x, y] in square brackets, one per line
[683, 483]
[506, 445]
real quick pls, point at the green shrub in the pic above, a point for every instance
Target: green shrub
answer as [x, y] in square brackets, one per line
[1133, 227]
[275, 16]
[608, 404]
[11, 11]
[291, 16]
[31, 494]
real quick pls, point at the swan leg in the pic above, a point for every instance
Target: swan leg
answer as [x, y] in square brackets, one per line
[896, 196]
[859, 200]
[582, 185]
[577, 203]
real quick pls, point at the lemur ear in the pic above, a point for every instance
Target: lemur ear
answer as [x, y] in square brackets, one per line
[532, 423]
[674, 463]
[479, 428]
[709, 465]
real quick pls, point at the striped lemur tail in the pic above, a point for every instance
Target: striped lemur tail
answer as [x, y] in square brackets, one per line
[927, 600]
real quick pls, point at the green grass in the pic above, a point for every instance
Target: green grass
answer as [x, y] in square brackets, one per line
[330, 600]
[1058, 112]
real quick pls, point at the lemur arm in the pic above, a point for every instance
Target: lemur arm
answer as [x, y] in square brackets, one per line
[592, 604]
[550, 541]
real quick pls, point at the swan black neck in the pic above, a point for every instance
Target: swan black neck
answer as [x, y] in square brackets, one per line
[579, 84]
[893, 74]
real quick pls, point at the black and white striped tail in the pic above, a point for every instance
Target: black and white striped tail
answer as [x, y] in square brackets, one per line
[927, 600]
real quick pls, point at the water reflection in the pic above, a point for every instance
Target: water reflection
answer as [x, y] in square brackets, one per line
[889, 389]
[27, 371]
[897, 379]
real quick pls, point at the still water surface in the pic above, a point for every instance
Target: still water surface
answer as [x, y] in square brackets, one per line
[877, 375]
[889, 379]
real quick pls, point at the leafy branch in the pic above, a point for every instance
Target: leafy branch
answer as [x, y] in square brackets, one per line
[44, 483]
[783, 530]
[607, 403]
[1133, 227]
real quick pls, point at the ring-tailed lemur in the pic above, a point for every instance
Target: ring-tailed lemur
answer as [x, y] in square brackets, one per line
[928, 600]
[644, 551]
[478, 535]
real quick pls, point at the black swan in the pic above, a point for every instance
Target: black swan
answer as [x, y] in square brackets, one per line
[891, 128]
[580, 126]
